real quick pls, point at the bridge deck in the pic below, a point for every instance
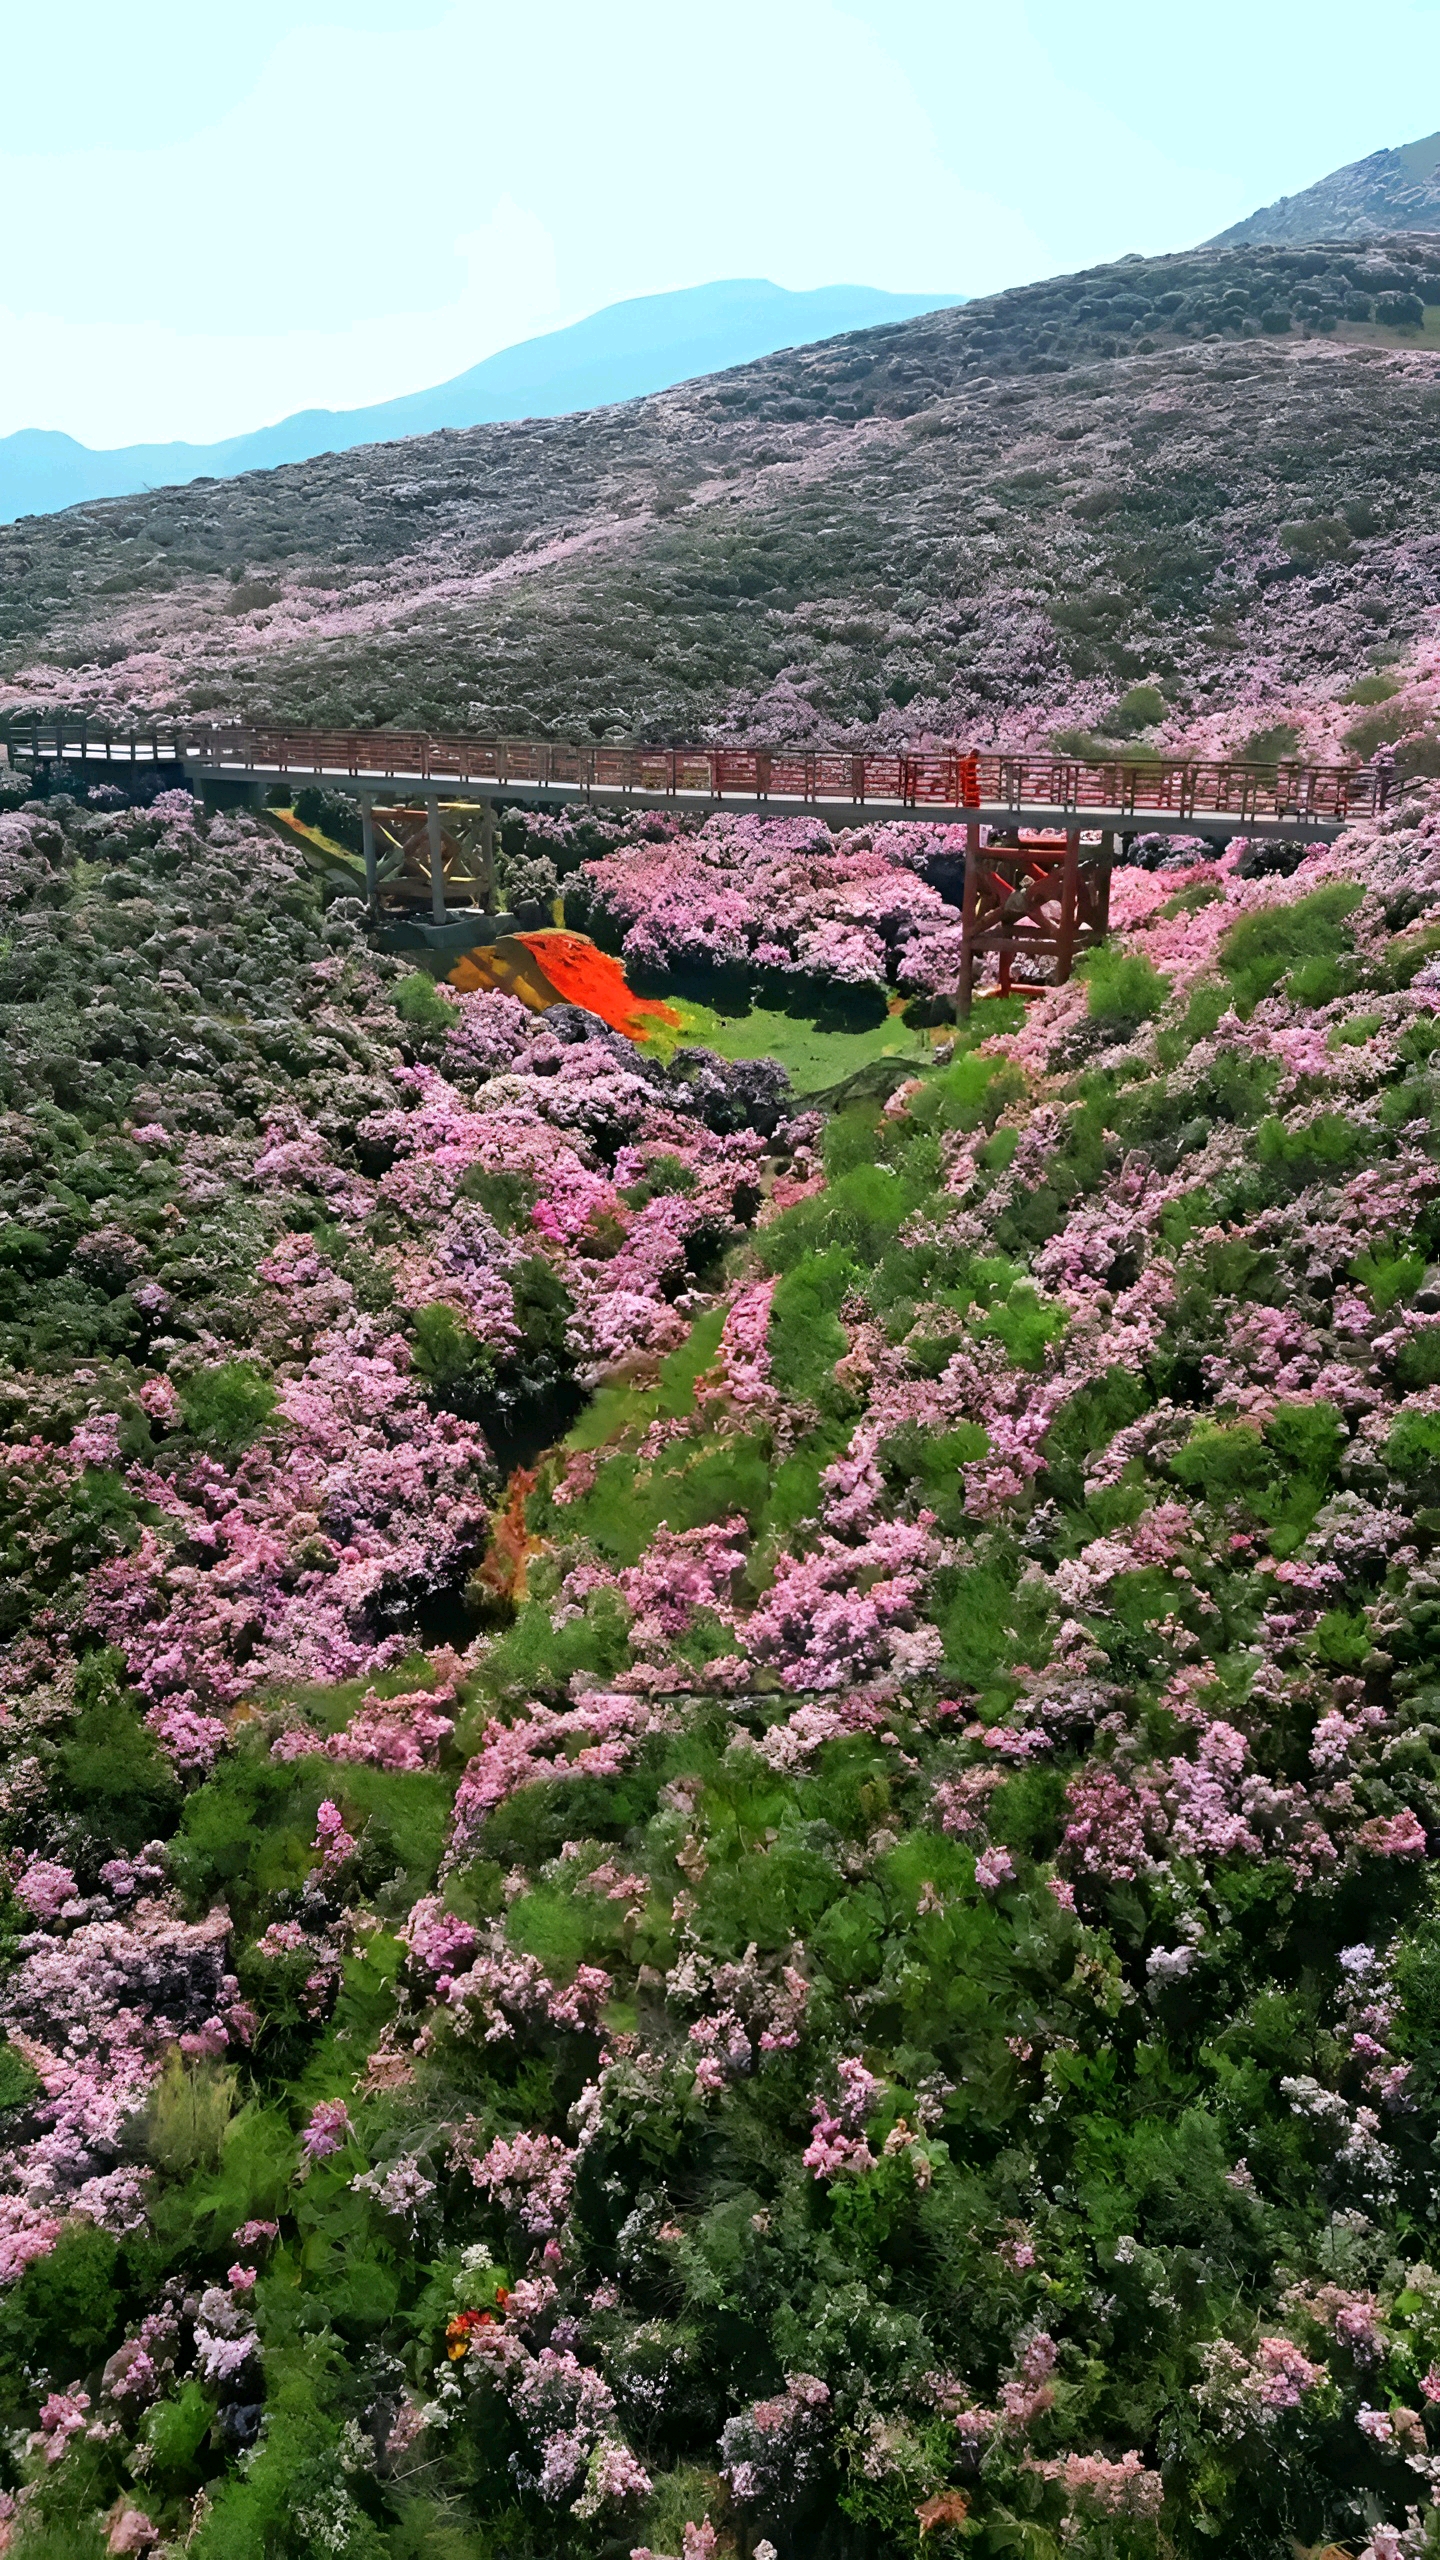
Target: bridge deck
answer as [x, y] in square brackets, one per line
[1153, 795]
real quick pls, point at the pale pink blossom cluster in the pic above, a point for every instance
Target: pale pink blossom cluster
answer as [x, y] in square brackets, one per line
[1091, 2481]
[387, 1498]
[328, 2130]
[778, 894]
[531, 2177]
[837, 1611]
[682, 1571]
[1240, 2392]
[838, 2146]
[93, 2014]
[598, 1738]
[770, 2452]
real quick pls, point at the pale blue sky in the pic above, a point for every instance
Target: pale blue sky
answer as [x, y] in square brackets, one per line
[216, 214]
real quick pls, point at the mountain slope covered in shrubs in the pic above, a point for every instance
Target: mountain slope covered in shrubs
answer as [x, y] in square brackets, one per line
[719, 1817]
[1211, 475]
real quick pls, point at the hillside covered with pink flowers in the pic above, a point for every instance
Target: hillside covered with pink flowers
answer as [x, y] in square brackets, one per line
[717, 1804]
[1189, 499]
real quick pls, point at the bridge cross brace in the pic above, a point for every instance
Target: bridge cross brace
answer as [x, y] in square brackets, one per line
[1031, 897]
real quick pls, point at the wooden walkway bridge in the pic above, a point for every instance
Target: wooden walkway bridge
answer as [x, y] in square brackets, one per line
[1173, 795]
[1040, 885]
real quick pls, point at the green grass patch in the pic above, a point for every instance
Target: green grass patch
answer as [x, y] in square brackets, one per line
[813, 1056]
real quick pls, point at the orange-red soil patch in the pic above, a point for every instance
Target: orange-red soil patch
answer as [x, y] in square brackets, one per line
[564, 968]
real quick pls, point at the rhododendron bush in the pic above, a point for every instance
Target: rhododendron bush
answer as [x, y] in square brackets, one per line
[782, 897]
[719, 1824]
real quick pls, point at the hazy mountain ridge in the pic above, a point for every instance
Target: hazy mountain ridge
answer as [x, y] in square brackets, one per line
[995, 519]
[621, 353]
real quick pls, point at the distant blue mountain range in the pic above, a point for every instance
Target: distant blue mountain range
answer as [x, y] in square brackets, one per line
[617, 354]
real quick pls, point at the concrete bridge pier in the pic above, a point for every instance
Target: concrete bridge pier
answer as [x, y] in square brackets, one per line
[226, 791]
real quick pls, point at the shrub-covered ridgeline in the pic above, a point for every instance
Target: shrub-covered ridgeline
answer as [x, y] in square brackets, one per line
[1214, 473]
[719, 1818]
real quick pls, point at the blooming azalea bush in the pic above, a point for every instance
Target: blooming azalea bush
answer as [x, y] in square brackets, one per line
[833, 1950]
[781, 900]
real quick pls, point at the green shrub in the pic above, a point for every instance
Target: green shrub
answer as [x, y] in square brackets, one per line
[1417, 1362]
[62, 2315]
[1327, 1144]
[1315, 982]
[1263, 947]
[1087, 748]
[1322, 538]
[447, 1355]
[175, 2430]
[534, 1654]
[1388, 1276]
[246, 1833]
[1026, 1324]
[1220, 1462]
[1282, 1476]
[1086, 1422]
[185, 2119]
[1380, 727]
[1342, 1640]
[507, 1197]
[971, 1092]
[418, 1002]
[973, 1611]
[1355, 1033]
[1416, 1970]
[859, 1214]
[1272, 746]
[1413, 1448]
[1407, 954]
[1122, 986]
[1418, 759]
[1143, 707]
[20, 2083]
[1308, 1438]
[110, 1770]
[1369, 690]
[806, 1338]
[227, 1407]
[932, 1462]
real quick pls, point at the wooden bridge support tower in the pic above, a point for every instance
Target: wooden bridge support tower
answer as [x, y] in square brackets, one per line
[423, 851]
[1028, 898]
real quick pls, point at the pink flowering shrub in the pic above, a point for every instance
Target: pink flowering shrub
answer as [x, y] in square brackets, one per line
[780, 895]
[770, 2451]
[531, 2178]
[328, 2130]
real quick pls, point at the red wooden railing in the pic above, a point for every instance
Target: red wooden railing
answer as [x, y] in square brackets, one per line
[948, 779]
